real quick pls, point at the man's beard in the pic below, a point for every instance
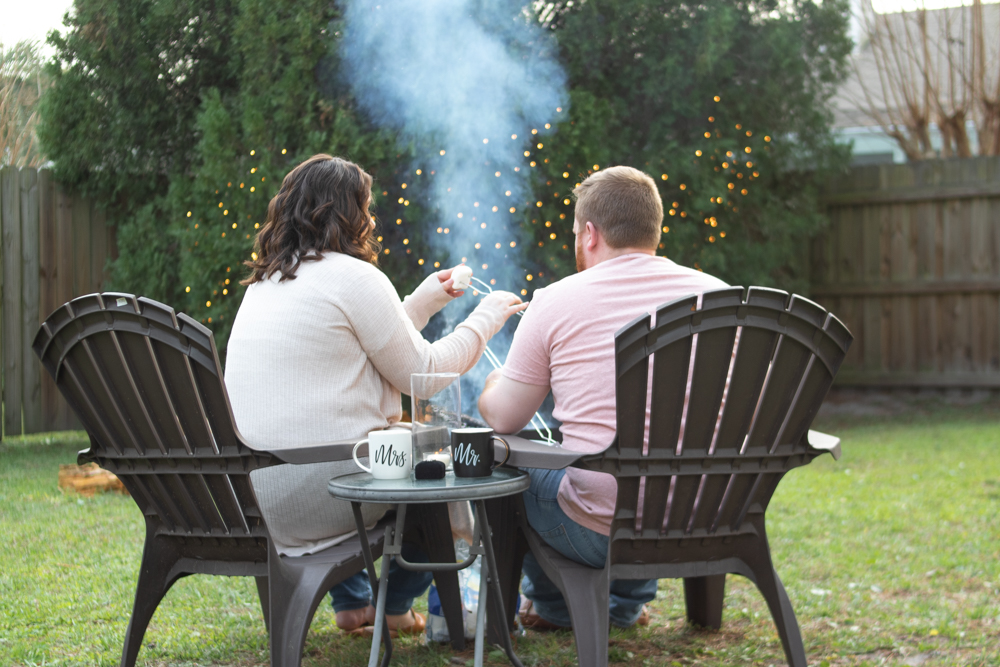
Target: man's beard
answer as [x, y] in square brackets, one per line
[581, 262]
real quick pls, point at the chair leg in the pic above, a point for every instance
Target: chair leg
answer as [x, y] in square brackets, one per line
[704, 599]
[294, 593]
[155, 579]
[587, 592]
[433, 534]
[589, 610]
[771, 588]
[262, 593]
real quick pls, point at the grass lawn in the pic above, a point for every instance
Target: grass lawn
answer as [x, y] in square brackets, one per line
[889, 556]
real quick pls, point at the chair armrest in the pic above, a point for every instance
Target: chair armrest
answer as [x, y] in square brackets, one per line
[339, 450]
[328, 451]
[824, 443]
[526, 453]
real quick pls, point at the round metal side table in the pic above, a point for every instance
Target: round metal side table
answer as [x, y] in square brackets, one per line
[363, 488]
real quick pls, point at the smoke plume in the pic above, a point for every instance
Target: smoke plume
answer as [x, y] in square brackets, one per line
[466, 81]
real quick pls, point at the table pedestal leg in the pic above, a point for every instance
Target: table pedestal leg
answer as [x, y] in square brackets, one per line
[490, 567]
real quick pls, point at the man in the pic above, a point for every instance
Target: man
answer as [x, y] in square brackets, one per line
[565, 343]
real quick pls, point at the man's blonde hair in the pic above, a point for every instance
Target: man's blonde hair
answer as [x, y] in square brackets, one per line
[624, 204]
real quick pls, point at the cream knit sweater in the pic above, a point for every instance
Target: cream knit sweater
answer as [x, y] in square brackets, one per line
[324, 357]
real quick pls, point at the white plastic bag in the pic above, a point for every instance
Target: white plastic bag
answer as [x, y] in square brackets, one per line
[468, 581]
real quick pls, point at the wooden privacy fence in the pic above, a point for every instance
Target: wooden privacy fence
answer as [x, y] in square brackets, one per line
[55, 247]
[911, 263]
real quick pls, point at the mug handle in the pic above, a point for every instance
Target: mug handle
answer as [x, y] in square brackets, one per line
[354, 455]
[495, 464]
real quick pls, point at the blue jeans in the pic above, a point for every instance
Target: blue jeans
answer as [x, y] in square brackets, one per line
[579, 544]
[404, 585]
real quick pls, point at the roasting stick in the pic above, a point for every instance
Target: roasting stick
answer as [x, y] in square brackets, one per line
[537, 422]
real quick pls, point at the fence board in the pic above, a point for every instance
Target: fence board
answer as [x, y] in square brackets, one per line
[48, 271]
[65, 286]
[13, 375]
[31, 399]
[82, 247]
[911, 263]
[64, 249]
[98, 247]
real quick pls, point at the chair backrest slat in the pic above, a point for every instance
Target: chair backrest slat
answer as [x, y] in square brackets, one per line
[656, 493]
[711, 490]
[147, 385]
[196, 501]
[110, 400]
[671, 369]
[753, 358]
[629, 386]
[135, 401]
[717, 327]
[682, 502]
[147, 498]
[788, 366]
[181, 388]
[165, 488]
[708, 383]
[227, 502]
[150, 393]
[80, 395]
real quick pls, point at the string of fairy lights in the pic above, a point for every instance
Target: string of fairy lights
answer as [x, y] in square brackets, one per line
[731, 158]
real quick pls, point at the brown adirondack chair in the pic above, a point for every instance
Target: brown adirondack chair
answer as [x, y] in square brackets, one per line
[147, 385]
[701, 513]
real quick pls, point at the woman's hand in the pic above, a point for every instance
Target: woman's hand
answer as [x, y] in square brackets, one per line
[444, 277]
[434, 293]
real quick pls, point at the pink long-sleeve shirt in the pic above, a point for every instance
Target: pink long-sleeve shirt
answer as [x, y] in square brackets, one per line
[566, 341]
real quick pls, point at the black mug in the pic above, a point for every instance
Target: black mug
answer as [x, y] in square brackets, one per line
[472, 452]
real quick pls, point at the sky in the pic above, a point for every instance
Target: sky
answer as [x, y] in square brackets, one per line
[34, 19]
[31, 20]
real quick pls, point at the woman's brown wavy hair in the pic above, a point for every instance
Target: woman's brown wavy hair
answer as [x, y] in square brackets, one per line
[322, 205]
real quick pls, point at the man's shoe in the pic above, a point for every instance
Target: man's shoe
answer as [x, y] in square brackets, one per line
[530, 618]
[643, 619]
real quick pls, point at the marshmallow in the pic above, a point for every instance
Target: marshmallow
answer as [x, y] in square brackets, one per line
[461, 277]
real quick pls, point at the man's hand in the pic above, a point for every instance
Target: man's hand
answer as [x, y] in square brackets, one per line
[508, 405]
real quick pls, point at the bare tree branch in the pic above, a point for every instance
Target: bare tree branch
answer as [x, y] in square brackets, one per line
[941, 65]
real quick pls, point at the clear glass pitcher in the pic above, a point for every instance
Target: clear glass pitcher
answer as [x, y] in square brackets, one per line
[436, 400]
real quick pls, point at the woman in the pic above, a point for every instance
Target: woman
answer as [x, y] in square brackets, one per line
[321, 349]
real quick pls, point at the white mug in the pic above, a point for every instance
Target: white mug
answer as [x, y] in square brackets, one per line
[389, 452]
